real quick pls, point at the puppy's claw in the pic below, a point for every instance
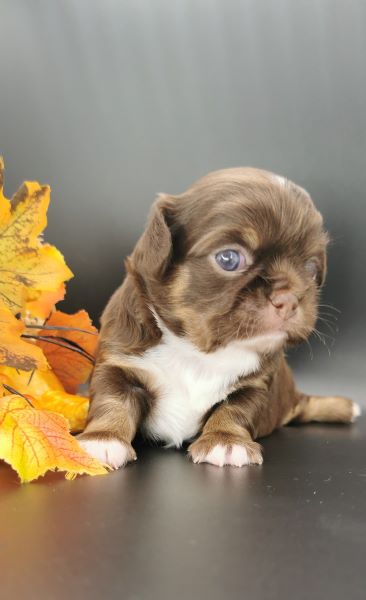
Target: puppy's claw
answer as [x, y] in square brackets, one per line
[113, 452]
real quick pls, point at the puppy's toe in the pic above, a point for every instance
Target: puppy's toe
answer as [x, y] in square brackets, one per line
[220, 456]
[111, 452]
[236, 455]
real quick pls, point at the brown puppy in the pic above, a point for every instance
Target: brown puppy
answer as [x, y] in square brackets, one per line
[191, 345]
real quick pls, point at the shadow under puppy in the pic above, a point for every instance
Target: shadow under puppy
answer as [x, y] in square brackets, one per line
[224, 277]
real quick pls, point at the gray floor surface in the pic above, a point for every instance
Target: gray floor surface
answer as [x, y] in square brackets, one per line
[164, 528]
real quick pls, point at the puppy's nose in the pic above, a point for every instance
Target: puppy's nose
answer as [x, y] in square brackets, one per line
[286, 303]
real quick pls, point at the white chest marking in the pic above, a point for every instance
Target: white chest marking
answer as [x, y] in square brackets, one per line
[189, 382]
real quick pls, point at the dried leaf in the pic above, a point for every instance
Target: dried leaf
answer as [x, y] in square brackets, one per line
[34, 433]
[27, 266]
[71, 368]
[34, 441]
[14, 351]
[42, 306]
[73, 408]
[35, 383]
[45, 391]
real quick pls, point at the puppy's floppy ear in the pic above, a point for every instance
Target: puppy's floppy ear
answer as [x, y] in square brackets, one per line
[154, 249]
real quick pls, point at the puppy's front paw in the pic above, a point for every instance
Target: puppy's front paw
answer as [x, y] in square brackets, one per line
[111, 452]
[212, 449]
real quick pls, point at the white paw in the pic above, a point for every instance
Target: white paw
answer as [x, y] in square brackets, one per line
[109, 452]
[356, 411]
[220, 455]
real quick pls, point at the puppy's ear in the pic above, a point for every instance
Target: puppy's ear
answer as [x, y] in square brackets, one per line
[153, 251]
[323, 268]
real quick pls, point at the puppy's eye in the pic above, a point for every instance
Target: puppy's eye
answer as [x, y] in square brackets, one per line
[311, 266]
[230, 260]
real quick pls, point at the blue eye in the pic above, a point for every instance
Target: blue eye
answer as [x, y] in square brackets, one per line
[230, 260]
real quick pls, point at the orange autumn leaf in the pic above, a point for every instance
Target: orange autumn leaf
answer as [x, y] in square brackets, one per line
[35, 418]
[35, 441]
[73, 408]
[44, 390]
[15, 351]
[35, 383]
[28, 267]
[44, 303]
[71, 368]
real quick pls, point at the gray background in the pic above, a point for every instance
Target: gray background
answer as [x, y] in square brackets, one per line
[111, 102]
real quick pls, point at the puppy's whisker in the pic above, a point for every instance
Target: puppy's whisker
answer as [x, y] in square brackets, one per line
[332, 328]
[326, 312]
[329, 315]
[322, 338]
[325, 335]
[310, 349]
[322, 341]
[330, 307]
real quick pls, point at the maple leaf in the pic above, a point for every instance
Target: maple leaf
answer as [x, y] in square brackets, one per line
[34, 419]
[42, 306]
[72, 369]
[28, 268]
[73, 408]
[34, 441]
[44, 390]
[14, 351]
[35, 383]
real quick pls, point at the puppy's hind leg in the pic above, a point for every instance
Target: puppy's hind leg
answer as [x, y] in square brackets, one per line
[327, 409]
[117, 406]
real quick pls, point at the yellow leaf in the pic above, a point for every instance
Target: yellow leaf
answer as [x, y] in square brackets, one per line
[27, 266]
[4, 204]
[44, 390]
[34, 441]
[73, 408]
[35, 384]
[14, 351]
[42, 305]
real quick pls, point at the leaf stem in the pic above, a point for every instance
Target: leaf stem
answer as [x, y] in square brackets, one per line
[60, 327]
[13, 391]
[68, 346]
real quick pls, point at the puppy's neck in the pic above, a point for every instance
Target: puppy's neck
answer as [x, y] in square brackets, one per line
[260, 345]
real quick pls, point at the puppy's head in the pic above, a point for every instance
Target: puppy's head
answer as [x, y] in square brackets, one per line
[240, 255]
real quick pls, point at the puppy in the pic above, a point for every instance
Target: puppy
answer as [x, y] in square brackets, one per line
[223, 279]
